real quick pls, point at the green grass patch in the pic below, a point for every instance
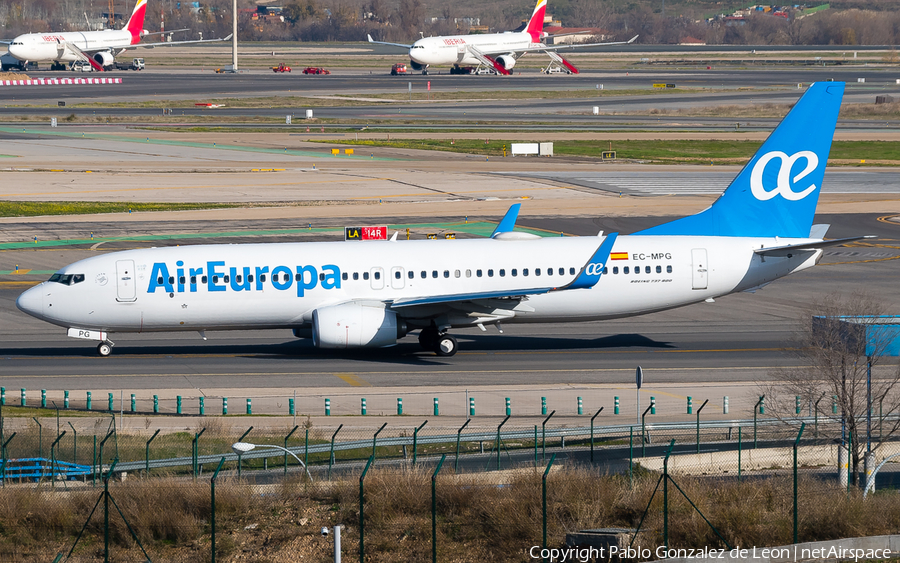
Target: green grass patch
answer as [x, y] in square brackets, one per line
[669, 151]
[38, 208]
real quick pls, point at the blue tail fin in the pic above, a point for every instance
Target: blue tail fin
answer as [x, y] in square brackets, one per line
[776, 192]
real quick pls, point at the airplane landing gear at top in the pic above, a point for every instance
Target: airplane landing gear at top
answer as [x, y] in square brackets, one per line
[104, 349]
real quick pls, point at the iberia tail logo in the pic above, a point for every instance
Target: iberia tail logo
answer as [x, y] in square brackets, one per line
[536, 23]
[135, 25]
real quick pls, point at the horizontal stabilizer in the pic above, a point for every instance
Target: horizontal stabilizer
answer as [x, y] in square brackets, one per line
[818, 231]
[785, 250]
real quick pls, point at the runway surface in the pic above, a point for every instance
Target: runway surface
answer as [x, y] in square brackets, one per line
[739, 338]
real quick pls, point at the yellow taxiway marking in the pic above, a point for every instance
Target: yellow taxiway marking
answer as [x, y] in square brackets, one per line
[18, 283]
[351, 380]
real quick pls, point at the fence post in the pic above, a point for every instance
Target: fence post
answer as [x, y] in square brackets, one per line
[375, 440]
[362, 529]
[508, 407]
[535, 445]
[644, 431]
[195, 449]
[498, 440]
[74, 444]
[458, 432]
[761, 408]
[415, 441]
[241, 439]
[4, 454]
[616, 411]
[666, 495]
[212, 507]
[306, 449]
[146, 453]
[285, 447]
[592, 433]
[544, 434]
[698, 424]
[53, 459]
[544, 500]
[40, 436]
[434, 506]
[631, 456]
[739, 453]
[331, 454]
[796, 445]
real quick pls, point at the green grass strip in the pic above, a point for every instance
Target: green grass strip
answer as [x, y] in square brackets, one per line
[40, 208]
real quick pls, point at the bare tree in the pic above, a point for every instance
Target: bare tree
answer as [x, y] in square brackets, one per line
[840, 340]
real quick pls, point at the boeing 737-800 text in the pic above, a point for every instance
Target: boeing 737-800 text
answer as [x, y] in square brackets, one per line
[494, 52]
[352, 294]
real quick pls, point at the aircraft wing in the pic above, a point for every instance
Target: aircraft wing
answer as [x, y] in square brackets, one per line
[542, 48]
[464, 297]
[369, 36]
[82, 55]
[787, 249]
[170, 43]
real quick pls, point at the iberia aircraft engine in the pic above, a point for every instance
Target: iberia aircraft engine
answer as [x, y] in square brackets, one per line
[508, 61]
[356, 325]
[104, 58]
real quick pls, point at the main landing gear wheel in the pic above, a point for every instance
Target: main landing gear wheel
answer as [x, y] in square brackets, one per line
[446, 345]
[104, 349]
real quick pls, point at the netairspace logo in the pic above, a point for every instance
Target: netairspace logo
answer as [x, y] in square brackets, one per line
[585, 554]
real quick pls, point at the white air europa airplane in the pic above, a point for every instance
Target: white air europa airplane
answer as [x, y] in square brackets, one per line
[370, 294]
[495, 51]
[99, 48]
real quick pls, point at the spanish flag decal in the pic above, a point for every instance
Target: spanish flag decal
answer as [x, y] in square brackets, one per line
[618, 256]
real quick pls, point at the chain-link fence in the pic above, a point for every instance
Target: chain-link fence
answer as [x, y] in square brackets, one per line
[422, 491]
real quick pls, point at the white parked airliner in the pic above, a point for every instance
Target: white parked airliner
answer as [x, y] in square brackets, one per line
[370, 294]
[99, 48]
[496, 52]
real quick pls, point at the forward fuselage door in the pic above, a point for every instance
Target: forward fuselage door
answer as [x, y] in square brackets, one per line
[700, 268]
[397, 281]
[376, 278]
[125, 281]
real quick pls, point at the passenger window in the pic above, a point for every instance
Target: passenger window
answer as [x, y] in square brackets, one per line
[355, 276]
[321, 276]
[502, 272]
[637, 269]
[434, 273]
[625, 270]
[562, 271]
[344, 276]
[181, 280]
[194, 280]
[298, 277]
[262, 278]
[377, 275]
[397, 275]
[537, 271]
[446, 273]
[572, 271]
[424, 274]
[615, 269]
[226, 278]
[515, 272]
[646, 269]
[171, 279]
[604, 271]
[659, 269]
[202, 280]
[410, 274]
[668, 269]
[524, 271]
[478, 273]
[456, 273]
[490, 273]
[215, 279]
[159, 280]
[249, 278]
[468, 273]
[549, 271]
[365, 275]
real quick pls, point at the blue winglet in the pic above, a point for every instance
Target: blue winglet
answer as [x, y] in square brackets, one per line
[592, 271]
[508, 223]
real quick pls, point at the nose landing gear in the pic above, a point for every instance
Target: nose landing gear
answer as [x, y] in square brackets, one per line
[105, 348]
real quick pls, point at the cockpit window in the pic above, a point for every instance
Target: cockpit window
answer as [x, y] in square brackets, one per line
[67, 279]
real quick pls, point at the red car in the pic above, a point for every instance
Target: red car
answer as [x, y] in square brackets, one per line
[316, 70]
[281, 68]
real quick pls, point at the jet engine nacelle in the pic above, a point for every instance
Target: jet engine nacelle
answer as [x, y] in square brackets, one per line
[104, 58]
[356, 325]
[416, 66]
[507, 61]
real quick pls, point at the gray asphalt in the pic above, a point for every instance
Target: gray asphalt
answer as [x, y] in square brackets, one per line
[739, 338]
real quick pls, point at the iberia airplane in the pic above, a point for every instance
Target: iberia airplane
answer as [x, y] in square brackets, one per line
[354, 294]
[99, 48]
[496, 52]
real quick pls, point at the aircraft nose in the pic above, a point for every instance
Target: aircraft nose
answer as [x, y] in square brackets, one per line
[32, 301]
